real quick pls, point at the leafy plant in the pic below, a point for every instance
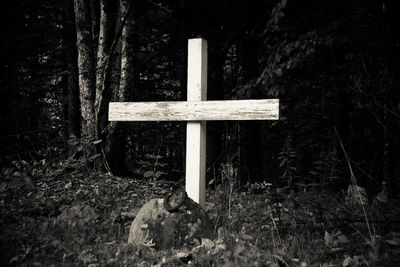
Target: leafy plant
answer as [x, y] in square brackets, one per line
[224, 192]
[327, 167]
[277, 13]
[229, 174]
[258, 188]
[81, 156]
[152, 167]
[19, 173]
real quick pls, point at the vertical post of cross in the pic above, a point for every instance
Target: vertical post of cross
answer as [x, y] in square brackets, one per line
[196, 131]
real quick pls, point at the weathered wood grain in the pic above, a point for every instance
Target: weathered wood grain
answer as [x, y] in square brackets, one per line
[264, 109]
[196, 111]
[195, 185]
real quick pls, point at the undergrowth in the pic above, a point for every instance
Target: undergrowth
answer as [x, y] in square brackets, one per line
[84, 220]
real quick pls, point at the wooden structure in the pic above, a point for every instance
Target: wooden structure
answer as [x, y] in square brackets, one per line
[196, 111]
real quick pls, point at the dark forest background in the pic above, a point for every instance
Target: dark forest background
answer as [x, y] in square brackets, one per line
[334, 65]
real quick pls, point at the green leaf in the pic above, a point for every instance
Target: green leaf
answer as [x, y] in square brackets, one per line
[283, 162]
[148, 174]
[328, 239]
[152, 156]
[144, 163]
[158, 174]
[94, 157]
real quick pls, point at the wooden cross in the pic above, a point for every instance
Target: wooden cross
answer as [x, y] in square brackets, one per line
[196, 111]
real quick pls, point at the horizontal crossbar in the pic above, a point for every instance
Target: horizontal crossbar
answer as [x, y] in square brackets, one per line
[264, 109]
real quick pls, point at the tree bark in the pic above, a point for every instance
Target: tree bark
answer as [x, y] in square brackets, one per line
[115, 148]
[72, 115]
[95, 19]
[103, 71]
[86, 68]
[103, 47]
[128, 41]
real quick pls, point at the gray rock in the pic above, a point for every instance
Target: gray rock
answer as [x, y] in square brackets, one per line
[156, 227]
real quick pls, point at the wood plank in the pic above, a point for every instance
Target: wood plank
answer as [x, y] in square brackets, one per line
[195, 184]
[264, 109]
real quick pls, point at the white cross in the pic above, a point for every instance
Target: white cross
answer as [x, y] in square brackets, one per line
[196, 111]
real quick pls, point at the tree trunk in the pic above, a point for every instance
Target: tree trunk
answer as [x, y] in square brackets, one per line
[102, 48]
[72, 115]
[116, 141]
[95, 19]
[128, 41]
[86, 68]
[103, 71]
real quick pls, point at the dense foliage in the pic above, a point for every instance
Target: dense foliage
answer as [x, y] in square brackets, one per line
[333, 64]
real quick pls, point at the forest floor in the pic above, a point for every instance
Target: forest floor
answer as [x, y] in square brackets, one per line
[84, 220]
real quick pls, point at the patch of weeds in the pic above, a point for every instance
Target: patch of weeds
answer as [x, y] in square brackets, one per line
[82, 220]
[152, 167]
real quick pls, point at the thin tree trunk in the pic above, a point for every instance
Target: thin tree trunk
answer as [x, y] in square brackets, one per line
[103, 46]
[86, 68]
[72, 114]
[73, 102]
[127, 82]
[95, 18]
[103, 73]
[116, 140]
